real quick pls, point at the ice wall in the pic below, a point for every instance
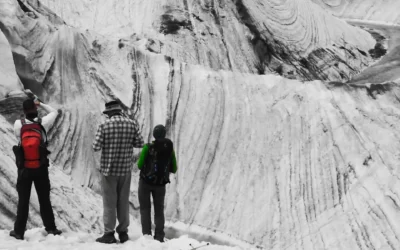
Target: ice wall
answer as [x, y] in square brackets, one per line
[296, 39]
[8, 75]
[277, 163]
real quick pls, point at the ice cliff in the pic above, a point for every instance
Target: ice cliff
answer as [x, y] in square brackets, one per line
[278, 163]
[296, 39]
[10, 80]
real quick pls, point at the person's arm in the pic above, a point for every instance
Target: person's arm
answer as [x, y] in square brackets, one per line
[143, 155]
[99, 139]
[48, 120]
[17, 129]
[137, 139]
[174, 164]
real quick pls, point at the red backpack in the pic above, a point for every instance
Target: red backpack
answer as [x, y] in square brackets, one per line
[33, 144]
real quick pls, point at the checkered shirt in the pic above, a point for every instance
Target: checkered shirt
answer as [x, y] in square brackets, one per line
[117, 137]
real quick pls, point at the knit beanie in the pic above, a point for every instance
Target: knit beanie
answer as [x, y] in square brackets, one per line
[159, 132]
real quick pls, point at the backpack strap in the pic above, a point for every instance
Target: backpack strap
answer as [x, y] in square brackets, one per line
[45, 133]
[43, 129]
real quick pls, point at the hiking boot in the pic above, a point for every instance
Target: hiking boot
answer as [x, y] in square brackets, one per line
[123, 237]
[54, 232]
[15, 235]
[107, 238]
[160, 239]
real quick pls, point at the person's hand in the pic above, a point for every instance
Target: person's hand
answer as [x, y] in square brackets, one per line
[37, 102]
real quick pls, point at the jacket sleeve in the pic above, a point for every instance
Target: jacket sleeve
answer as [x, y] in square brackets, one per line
[48, 120]
[17, 129]
[143, 155]
[99, 139]
[174, 164]
[137, 139]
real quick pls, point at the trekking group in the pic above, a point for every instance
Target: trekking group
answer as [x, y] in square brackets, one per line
[115, 138]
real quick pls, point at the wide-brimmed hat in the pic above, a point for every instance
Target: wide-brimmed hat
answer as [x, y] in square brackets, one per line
[112, 106]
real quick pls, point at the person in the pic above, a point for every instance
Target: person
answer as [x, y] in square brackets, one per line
[116, 138]
[35, 171]
[156, 161]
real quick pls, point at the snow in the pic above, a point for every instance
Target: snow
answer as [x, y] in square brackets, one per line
[37, 238]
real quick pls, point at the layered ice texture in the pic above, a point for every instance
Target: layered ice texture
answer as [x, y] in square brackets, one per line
[297, 39]
[10, 80]
[381, 11]
[273, 162]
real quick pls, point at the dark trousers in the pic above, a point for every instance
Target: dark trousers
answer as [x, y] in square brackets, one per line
[158, 193]
[40, 177]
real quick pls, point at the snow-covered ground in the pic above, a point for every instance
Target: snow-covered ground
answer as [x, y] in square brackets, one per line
[37, 239]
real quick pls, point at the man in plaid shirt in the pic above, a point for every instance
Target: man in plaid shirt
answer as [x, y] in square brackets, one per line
[116, 137]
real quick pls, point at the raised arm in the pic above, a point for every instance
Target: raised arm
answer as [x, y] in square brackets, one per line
[48, 120]
[17, 129]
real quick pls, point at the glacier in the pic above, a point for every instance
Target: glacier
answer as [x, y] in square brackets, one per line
[309, 162]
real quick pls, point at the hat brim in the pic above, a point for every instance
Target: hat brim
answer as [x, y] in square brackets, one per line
[111, 110]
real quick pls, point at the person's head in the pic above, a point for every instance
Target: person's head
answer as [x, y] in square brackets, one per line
[159, 132]
[112, 108]
[30, 108]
